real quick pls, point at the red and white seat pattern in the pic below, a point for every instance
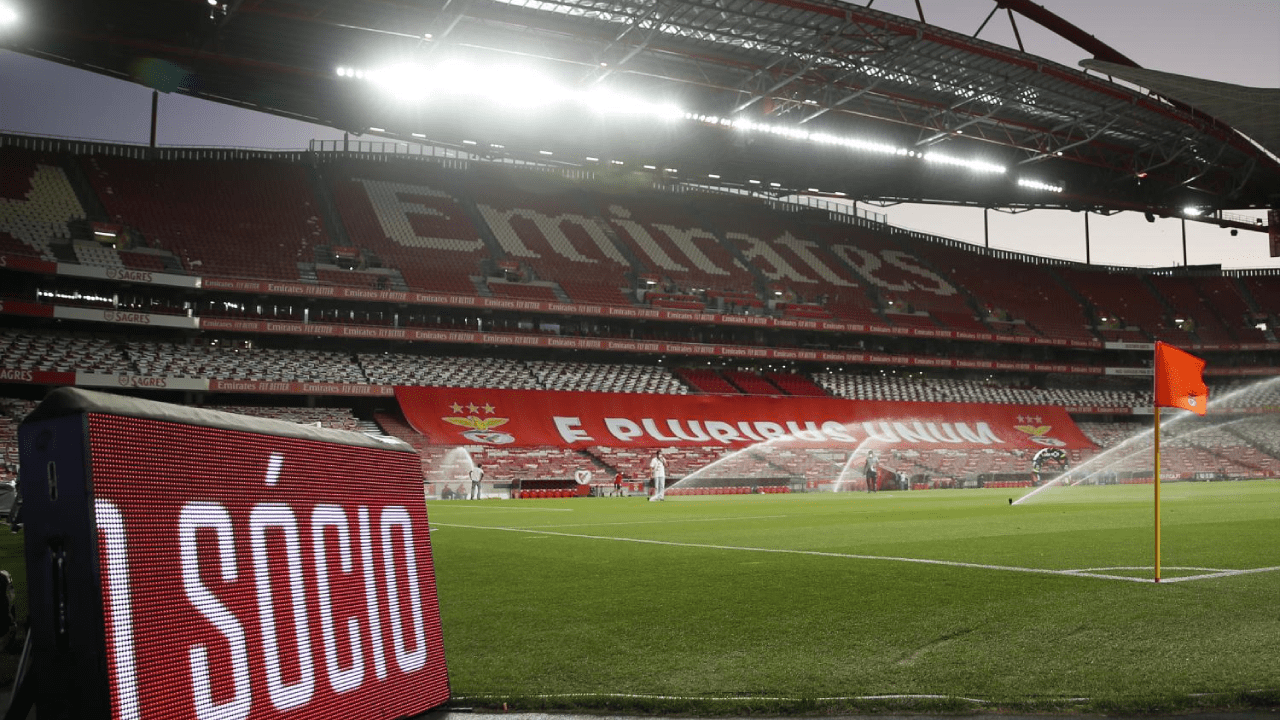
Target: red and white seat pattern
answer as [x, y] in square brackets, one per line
[36, 203]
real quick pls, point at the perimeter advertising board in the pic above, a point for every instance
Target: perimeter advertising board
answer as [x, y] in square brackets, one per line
[188, 564]
[530, 418]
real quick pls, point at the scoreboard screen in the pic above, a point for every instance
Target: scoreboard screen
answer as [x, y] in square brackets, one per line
[192, 564]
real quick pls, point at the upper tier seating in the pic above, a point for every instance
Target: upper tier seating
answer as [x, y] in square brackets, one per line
[806, 258]
[236, 218]
[901, 274]
[522, 291]
[1212, 321]
[673, 241]
[36, 203]
[1025, 291]
[1124, 299]
[1265, 290]
[411, 216]
[550, 229]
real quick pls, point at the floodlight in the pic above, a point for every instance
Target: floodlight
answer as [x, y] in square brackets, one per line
[515, 86]
[713, 176]
[420, 135]
[468, 142]
[404, 81]
[1038, 185]
[650, 167]
[975, 165]
[1192, 211]
[374, 129]
[8, 16]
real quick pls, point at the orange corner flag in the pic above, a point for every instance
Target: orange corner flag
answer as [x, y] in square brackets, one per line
[1180, 379]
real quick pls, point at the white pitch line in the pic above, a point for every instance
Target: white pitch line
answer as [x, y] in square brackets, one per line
[505, 507]
[671, 521]
[719, 699]
[1223, 573]
[852, 556]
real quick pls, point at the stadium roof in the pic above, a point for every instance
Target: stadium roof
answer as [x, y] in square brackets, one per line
[794, 95]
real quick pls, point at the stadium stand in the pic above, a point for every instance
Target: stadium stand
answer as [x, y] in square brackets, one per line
[530, 236]
[552, 232]
[412, 218]
[12, 410]
[238, 361]
[795, 384]
[1123, 302]
[440, 371]
[37, 202]
[916, 389]
[61, 352]
[751, 383]
[789, 252]
[236, 218]
[1190, 302]
[707, 381]
[904, 280]
[332, 418]
[596, 377]
[671, 240]
[1037, 299]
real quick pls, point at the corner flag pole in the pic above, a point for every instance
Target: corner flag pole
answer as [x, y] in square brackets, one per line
[1157, 485]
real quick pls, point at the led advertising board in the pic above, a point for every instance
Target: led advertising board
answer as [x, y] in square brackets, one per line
[201, 565]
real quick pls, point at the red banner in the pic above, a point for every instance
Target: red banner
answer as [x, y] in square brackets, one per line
[18, 307]
[527, 418]
[36, 377]
[27, 264]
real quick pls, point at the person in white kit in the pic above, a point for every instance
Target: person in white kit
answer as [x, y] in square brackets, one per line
[658, 466]
[476, 475]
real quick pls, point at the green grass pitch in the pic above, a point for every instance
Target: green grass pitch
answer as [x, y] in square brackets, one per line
[811, 603]
[783, 604]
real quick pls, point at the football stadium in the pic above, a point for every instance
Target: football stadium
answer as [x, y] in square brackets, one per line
[577, 363]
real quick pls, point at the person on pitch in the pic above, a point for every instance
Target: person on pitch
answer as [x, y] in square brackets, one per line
[477, 476]
[617, 484]
[658, 468]
[870, 472]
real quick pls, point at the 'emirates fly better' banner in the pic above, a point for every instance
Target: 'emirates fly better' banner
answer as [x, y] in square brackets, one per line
[524, 418]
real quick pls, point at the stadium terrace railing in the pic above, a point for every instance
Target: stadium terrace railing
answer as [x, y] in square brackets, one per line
[448, 157]
[73, 146]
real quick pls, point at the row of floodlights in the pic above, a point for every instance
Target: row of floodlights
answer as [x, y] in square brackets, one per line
[520, 87]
